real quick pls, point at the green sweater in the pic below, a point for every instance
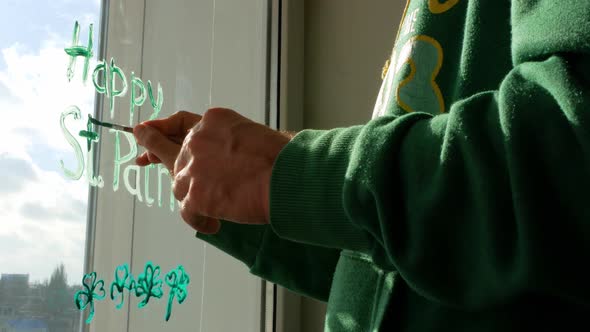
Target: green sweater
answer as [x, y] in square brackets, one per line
[463, 205]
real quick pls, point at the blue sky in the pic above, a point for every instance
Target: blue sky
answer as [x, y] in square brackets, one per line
[31, 22]
[42, 214]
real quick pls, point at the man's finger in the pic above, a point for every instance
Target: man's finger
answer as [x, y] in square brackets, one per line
[153, 158]
[190, 212]
[142, 160]
[201, 224]
[147, 158]
[158, 144]
[181, 184]
[176, 125]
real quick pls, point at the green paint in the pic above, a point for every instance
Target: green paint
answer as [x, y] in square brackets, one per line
[77, 50]
[161, 172]
[178, 281]
[100, 67]
[137, 190]
[156, 104]
[95, 181]
[118, 161]
[86, 297]
[112, 89]
[148, 200]
[77, 174]
[110, 79]
[135, 101]
[91, 136]
[121, 283]
[149, 284]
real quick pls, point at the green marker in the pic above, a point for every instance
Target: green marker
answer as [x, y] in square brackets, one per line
[110, 125]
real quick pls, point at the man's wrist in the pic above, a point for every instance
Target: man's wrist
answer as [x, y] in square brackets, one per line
[287, 136]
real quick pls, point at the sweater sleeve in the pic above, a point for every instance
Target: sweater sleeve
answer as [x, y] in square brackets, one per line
[482, 204]
[304, 269]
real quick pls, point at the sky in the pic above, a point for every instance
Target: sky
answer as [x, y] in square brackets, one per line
[42, 213]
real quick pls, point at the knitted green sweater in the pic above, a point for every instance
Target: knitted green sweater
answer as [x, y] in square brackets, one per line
[462, 206]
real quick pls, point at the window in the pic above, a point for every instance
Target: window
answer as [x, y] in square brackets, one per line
[189, 50]
[210, 52]
[43, 214]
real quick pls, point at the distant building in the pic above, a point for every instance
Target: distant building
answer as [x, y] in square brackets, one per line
[3, 326]
[13, 282]
[6, 312]
[37, 307]
[14, 289]
[26, 325]
[14, 278]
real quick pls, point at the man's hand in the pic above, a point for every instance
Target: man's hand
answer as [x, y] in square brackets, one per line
[221, 164]
[170, 134]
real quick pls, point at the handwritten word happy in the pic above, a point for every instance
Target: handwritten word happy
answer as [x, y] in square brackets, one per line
[111, 77]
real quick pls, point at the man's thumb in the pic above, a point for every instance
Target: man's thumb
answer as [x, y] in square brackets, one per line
[165, 149]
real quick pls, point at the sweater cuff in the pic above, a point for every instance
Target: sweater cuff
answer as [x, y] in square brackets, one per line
[240, 241]
[306, 190]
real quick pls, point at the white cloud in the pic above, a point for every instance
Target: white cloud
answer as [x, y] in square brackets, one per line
[17, 173]
[38, 83]
[45, 241]
[70, 209]
[45, 218]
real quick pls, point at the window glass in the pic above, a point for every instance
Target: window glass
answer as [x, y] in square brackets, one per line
[43, 214]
